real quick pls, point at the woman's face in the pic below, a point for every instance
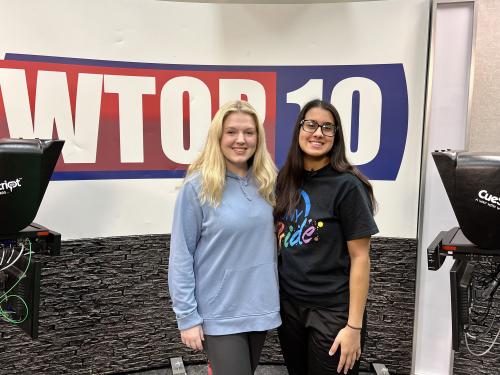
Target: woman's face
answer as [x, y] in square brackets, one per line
[239, 140]
[315, 145]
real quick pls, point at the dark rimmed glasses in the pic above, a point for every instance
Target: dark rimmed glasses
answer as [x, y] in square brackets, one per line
[327, 128]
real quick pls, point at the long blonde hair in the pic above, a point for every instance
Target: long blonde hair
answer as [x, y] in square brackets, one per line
[211, 164]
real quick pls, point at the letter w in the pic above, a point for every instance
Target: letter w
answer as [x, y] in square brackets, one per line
[52, 106]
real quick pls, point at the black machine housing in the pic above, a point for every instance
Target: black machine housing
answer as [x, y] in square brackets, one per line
[26, 166]
[472, 183]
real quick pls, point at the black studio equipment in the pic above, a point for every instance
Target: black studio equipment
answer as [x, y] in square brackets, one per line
[26, 166]
[472, 183]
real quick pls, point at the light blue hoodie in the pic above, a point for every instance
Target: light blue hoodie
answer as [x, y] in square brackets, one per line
[222, 268]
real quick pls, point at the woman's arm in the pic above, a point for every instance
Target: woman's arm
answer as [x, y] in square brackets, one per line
[186, 231]
[359, 278]
[349, 338]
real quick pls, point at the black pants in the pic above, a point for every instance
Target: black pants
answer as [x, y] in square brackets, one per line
[307, 334]
[236, 354]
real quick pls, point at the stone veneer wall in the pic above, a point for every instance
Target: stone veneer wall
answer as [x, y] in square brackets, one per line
[105, 308]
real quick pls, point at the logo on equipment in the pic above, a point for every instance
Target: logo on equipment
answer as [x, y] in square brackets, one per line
[6, 187]
[488, 199]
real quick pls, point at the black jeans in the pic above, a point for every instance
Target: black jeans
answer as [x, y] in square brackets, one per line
[236, 354]
[306, 336]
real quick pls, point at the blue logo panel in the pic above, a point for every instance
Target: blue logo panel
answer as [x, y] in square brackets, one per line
[390, 78]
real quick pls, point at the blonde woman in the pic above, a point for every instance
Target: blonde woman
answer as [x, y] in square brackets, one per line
[222, 274]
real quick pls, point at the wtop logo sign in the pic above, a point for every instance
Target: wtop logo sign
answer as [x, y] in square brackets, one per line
[130, 120]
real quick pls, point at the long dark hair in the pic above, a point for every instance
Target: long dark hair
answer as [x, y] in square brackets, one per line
[291, 176]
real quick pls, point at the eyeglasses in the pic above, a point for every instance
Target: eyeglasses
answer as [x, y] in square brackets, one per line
[328, 129]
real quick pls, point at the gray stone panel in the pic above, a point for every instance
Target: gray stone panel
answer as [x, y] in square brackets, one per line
[105, 308]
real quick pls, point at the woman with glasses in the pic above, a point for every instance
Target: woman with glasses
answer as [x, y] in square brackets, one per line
[222, 275]
[324, 216]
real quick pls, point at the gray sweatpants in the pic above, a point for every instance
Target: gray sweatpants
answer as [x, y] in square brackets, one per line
[236, 354]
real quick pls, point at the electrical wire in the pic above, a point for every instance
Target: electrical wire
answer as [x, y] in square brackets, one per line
[15, 260]
[20, 277]
[475, 337]
[481, 316]
[5, 251]
[6, 317]
[5, 296]
[3, 254]
[487, 350]
[11, 253]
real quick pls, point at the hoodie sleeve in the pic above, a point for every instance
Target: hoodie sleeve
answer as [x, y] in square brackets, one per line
[186, 231]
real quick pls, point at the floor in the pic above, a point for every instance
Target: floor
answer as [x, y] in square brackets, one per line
[202, 370]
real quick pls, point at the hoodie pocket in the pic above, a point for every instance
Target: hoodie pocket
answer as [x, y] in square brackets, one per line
[245, 292]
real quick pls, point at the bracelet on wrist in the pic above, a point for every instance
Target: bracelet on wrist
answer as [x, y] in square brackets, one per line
[352, 327]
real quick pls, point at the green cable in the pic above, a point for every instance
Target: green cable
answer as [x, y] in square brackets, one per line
[5, 315]
[6, 296]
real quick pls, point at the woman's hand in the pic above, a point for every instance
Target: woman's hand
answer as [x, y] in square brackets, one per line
[350, 348]
[192, 337]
